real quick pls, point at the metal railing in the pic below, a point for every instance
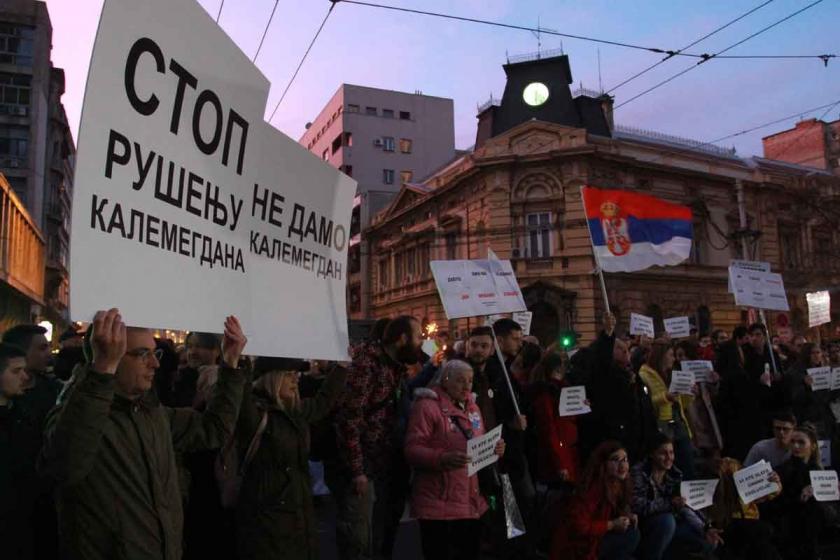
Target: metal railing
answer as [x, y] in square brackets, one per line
[22, 247]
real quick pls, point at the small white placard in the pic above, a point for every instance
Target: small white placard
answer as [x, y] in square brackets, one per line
[698, 494]
[430, 347]
[825, 452]
[759, 266]
[824, 484]
[678, 327]
[821, 377]
[681, 382]
[524, 320]
[754, 482]
[819, 308]
[641, 324]
[835, 378]
[572, 401]
[482, 450]
[700, 368]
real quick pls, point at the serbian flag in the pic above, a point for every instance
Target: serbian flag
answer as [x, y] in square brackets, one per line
[632, 231]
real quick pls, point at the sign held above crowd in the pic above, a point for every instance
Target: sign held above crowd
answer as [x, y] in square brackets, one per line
[477, 288]
[188, 207]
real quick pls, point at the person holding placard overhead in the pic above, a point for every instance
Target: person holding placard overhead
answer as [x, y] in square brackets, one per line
[797, 517]
[598, 522]
[444, 498]
[670, 408]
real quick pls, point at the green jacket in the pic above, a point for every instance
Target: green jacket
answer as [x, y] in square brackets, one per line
[114, 462]
[275, 514]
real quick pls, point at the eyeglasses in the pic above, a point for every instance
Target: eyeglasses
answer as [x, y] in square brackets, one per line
[145, 353]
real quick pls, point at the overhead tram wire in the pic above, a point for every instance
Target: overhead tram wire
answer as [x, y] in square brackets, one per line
[265, 31]
[707, 58]
[701, 39]
[802, 134]
[303, 59]
[222, 5]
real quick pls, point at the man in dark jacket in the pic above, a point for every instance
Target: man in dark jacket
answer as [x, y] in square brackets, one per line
[111, 446]
[20, 440]
[621, 407]
[369, 479]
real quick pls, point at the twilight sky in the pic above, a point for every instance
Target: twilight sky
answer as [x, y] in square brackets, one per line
[406, 52]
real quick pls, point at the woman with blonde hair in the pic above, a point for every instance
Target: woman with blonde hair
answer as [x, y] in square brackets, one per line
[670, 408]
[275, 516]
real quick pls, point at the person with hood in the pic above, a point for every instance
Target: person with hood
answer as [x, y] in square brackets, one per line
[669, 527]
[670, 408]
[111, 447]
[275, 516]
[621, 407]
[445, 500]
[598, 523]
[796, 515]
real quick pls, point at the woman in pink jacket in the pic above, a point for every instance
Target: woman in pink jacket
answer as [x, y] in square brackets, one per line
[446, 502]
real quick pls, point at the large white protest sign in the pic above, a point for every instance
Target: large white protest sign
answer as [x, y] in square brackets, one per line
[819, 308]
[825, 486]
[641, 324]
[524, 319]
[763, 290]
[477, 288]
[187, 206]
[573, 401]
[754, 482]
[700, 368]
[757, 266]
[820, 378]
[825, 452]
[482, 450]
[682, 382]
[698, 494]
[678, 327]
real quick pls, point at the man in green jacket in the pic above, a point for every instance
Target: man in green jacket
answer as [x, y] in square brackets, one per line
[111, 446]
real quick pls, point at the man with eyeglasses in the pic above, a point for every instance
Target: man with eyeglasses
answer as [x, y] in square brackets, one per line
[775, 450]
[111, 446]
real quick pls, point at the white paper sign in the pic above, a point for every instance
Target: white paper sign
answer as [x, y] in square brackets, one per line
[819, 308]
[641, 324]
[477, 288]
[757, 266]
[482, 450]
[429, 347]
[753, 482]
[763, 290]
[821, 377]
[824, 484]
[700, 368]
[698, 494]
[491, 319]
[678, 327]
[187, 206]
[524, 319]
[835, 378]
[681, 382]
[572, 401]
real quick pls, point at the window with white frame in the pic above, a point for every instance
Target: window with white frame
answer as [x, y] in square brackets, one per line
[538, 242]
[388, 143]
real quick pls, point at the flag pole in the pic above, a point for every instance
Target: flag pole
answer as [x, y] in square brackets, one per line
[598, 268]
[491, 256]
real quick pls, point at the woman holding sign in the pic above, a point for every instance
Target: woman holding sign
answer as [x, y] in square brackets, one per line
[796, 515]
[808, 398]
[670, 405]
[445, 499]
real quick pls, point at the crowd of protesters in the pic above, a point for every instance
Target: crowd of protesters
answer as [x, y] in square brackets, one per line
[121, 446]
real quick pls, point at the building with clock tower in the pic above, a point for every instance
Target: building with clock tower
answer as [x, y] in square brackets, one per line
[518, 193]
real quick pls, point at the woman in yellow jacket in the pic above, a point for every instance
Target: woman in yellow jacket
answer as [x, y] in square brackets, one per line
[670, 408]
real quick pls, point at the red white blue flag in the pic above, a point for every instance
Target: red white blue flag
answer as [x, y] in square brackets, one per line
[632, 231]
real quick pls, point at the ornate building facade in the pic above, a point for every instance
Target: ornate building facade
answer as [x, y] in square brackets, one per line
[518, 193]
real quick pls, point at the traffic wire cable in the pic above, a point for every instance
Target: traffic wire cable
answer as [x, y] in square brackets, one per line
[333, 4]
[222, 5]
[706, 58]
[701, 39]
[265, 31]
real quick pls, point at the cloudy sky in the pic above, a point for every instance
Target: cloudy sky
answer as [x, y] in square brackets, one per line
[406, 52]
